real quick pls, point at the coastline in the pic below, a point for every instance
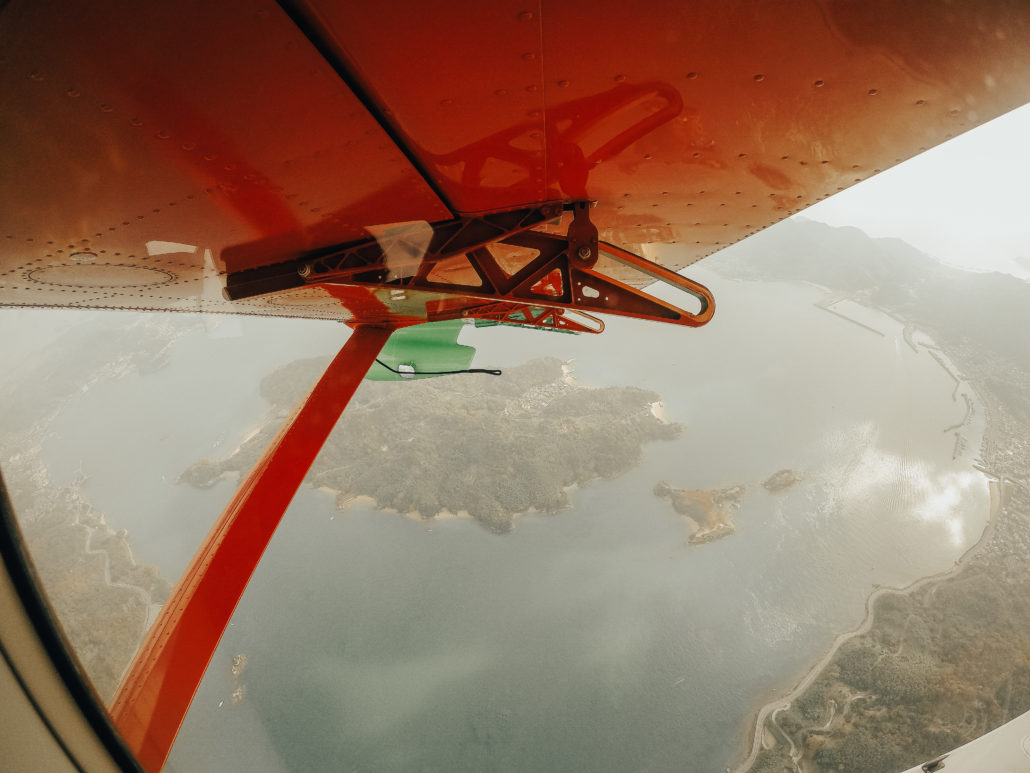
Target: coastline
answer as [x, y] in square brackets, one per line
[358, 500]
[755, 739]
[658, 411]
[756, 735]
[251, 434]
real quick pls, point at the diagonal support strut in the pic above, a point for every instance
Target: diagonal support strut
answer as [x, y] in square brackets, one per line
[157, 691]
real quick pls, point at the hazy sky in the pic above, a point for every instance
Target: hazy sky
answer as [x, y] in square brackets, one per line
[965, 202]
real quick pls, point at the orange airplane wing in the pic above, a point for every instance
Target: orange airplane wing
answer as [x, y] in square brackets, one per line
[146, 146]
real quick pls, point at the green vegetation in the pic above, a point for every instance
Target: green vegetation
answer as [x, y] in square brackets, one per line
[493, 447]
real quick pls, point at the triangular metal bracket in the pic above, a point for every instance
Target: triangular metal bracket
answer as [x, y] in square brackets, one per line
[576, 272]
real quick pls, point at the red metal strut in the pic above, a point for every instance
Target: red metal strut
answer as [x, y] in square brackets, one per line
[157, 691]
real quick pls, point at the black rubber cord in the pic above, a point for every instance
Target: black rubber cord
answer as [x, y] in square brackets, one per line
[487, 371]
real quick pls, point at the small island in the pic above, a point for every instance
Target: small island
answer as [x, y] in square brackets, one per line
[781, 480]
[490, 448]
[707, 513]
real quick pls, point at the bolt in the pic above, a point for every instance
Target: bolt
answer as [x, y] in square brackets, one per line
[584, 253]
[304, 269]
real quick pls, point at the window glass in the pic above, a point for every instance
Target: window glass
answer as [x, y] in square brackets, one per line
[100, 414]
[610, 555]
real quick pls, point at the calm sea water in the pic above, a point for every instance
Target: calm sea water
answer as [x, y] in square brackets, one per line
[590, 640]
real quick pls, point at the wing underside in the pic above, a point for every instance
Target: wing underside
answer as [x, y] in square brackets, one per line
[144, 144]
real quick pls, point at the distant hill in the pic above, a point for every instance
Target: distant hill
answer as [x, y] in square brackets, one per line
[985, 316]
[841, 258]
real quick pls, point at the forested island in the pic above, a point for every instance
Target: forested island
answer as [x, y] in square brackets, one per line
[490, 447]
[938, 664]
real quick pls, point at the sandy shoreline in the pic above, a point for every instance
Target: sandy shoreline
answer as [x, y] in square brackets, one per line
[756, 735]
[414, 515]
[658, 411]
[251, 434]
[363, 499]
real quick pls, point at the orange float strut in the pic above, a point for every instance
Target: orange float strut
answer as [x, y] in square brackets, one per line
[157, 691]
